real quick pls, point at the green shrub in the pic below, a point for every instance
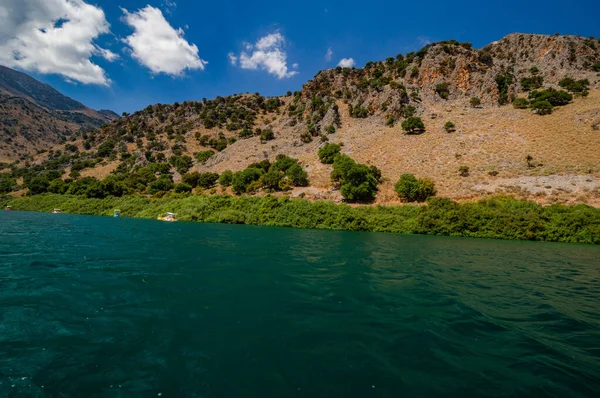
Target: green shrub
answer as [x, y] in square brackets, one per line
[442, 89]
[554, 97]
[411, 189]
[463, 171]
[449, 127]
[242, 179]
[542, 107]
[267, 135]
[475, 102]
[532, 83]
[191, 179]
[413, 125]
[328, 153]
[226, 178]
[520, 103]
[181, 163]
[297, 175]
[208, 180]
[38, 185]
[162, 184]
[575, 86]
[183, 188]
[357, 181]
[246, 133]
[330, 129]
[271, 179]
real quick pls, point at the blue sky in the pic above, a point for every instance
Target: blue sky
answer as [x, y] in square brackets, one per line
[302, 32]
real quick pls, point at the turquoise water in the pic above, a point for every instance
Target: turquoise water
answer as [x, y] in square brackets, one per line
[104, 307]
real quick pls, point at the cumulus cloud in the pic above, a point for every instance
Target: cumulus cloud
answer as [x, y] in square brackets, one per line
[329, 54]
[267, 54]
[157, 45]
[232, 58]
[347, 63]
[54, 37]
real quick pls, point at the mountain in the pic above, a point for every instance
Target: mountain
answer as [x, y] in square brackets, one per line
[34, 116]
[473, 141]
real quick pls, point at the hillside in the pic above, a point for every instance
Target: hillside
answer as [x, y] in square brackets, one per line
[34, 116]
[491, 146]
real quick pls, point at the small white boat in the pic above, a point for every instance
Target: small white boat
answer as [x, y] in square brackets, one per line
[56, 211]
[169, 217]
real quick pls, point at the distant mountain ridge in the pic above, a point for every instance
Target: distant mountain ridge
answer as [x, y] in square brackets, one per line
[35, 116]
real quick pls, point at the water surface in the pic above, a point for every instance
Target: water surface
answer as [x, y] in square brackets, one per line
[103, 307]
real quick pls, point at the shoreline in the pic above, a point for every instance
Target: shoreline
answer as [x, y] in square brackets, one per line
[497, 217]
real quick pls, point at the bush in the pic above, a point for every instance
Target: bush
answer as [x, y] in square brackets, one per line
[520, 103]
[542, 107]
[411, 189]
[328, 153]
[306, 137]
[463, 171]
[202, 157]
[531, 83]
[191, 179]
[208, 180]
[554, 97]
[163, 184]
[413, 125]
[267, 135]
[442, 89]
[38, 185]
[330, 129]
[246, 133]
[183, 188]
[271, 179]
[242, 179]
[449, 127]
[357, 181]
[181, 163]
[297, 175]
[575, 86]
[475, 102]
[226, 178]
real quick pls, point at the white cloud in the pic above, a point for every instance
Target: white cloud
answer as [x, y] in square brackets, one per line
[329, 54]
[267, 54]
[157, 45]
[232, 58]
[347, 63]
[169, 5]
[54, 37]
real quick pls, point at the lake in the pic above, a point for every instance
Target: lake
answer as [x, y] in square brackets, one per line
[103, 307]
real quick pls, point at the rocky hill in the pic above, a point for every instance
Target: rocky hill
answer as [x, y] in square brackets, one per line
[480, 132]
[34, 116]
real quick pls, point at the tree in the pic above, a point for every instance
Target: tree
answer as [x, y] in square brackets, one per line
[520, 103]
[358, 182]
[542, 107]
[181, 163]
[328, 153]
[297, 175]
[202, 157]
[226, 178]
[413, 125]
[38, 185]
[163, 184]
[449, 127]
[475, 102]
[411, 189]
[242, 179]
[208, 180]
[191, 179]
[271, 179]
[267, 135]
[442, 89]
[183, 188]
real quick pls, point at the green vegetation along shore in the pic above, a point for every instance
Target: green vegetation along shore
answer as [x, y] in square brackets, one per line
[498, 217]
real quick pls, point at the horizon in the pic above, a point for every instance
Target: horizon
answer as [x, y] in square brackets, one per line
[125, 57]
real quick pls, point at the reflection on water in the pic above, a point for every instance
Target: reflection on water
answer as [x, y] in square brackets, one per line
[98, 307]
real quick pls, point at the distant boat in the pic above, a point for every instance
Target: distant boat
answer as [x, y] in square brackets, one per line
[169, 217]
[56, 211]
[117, 213]
[9, 207]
